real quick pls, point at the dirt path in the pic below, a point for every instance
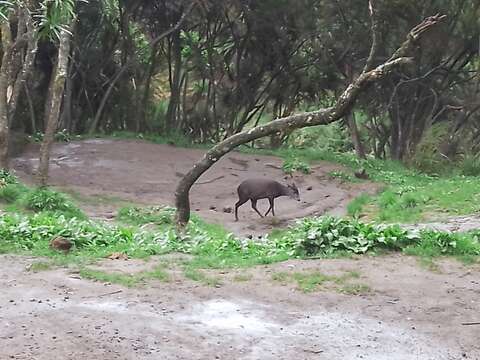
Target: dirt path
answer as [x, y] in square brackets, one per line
[147, 173]
[410, 313]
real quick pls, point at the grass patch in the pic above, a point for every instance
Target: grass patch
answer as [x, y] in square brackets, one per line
[242, 277]
[310, 281]
[198, 275]
[39, 266]
[356, 206]
[127, 280]
[355, 289]
[429, 264]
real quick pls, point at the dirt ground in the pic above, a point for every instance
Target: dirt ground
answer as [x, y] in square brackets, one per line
[147, 173]
[410, 313]
[407, 311]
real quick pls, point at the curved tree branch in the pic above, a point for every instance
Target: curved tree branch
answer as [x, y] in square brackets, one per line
[320, 117]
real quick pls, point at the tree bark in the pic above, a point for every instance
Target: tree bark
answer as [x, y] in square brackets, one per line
[28, 60]
[320, 117]
[355, 134]
[4, 76]
[175, 84]
[52, 111]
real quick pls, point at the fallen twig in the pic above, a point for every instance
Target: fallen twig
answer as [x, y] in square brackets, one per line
[471, 323]
[313, 351]
[210, 181]
[102, 295]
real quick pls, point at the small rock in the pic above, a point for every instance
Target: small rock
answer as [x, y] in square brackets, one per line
[212, 207]
[227, 209]
[309, 188]
[61, 244]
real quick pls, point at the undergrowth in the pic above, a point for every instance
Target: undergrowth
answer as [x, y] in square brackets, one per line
[210, 246]
[16, 196]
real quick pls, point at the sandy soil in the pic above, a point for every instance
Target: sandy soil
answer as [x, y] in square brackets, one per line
[148, 173]
[410, 313]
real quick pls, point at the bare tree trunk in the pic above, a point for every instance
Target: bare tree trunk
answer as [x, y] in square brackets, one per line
[354, 133]
[4, 76]
[175, 84]
[52, 111]
[321, 117]
[106, 96]
[28, 60]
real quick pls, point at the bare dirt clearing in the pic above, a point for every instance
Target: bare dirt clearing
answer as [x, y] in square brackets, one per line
[410, 313]
[147, 173]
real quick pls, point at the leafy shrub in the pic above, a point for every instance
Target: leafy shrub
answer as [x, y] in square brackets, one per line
[470, 166]
[436, 243]
[43, 199]
[11, 192]
[327, 235]
[291, 165]
[137, 215]
[7, 177]
[35, 232]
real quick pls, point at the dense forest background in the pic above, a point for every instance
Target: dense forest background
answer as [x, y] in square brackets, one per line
[204, 70]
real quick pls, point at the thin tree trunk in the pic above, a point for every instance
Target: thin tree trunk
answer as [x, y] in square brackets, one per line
[142, 118]
[325, 116]
[354, 133]
[175, 84]
[105, 98]
[28, 60]
[4, 75]
[52, 111]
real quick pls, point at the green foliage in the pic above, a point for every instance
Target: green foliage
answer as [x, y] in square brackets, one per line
[33, 233]
[55, 16]
[470, 166]
[290, 165]
[11, 193]
[44, 199]
[355, 207]
[331, 138]
[327, 235]
[60, 136]
[434, 243]
[342, 176]
[7, 177]
[160, 215]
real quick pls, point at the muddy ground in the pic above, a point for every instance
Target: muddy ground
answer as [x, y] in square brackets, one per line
[404, 311]
[147, 173]
[408, 313]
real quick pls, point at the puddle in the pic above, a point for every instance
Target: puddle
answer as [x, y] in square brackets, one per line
[226, 315]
